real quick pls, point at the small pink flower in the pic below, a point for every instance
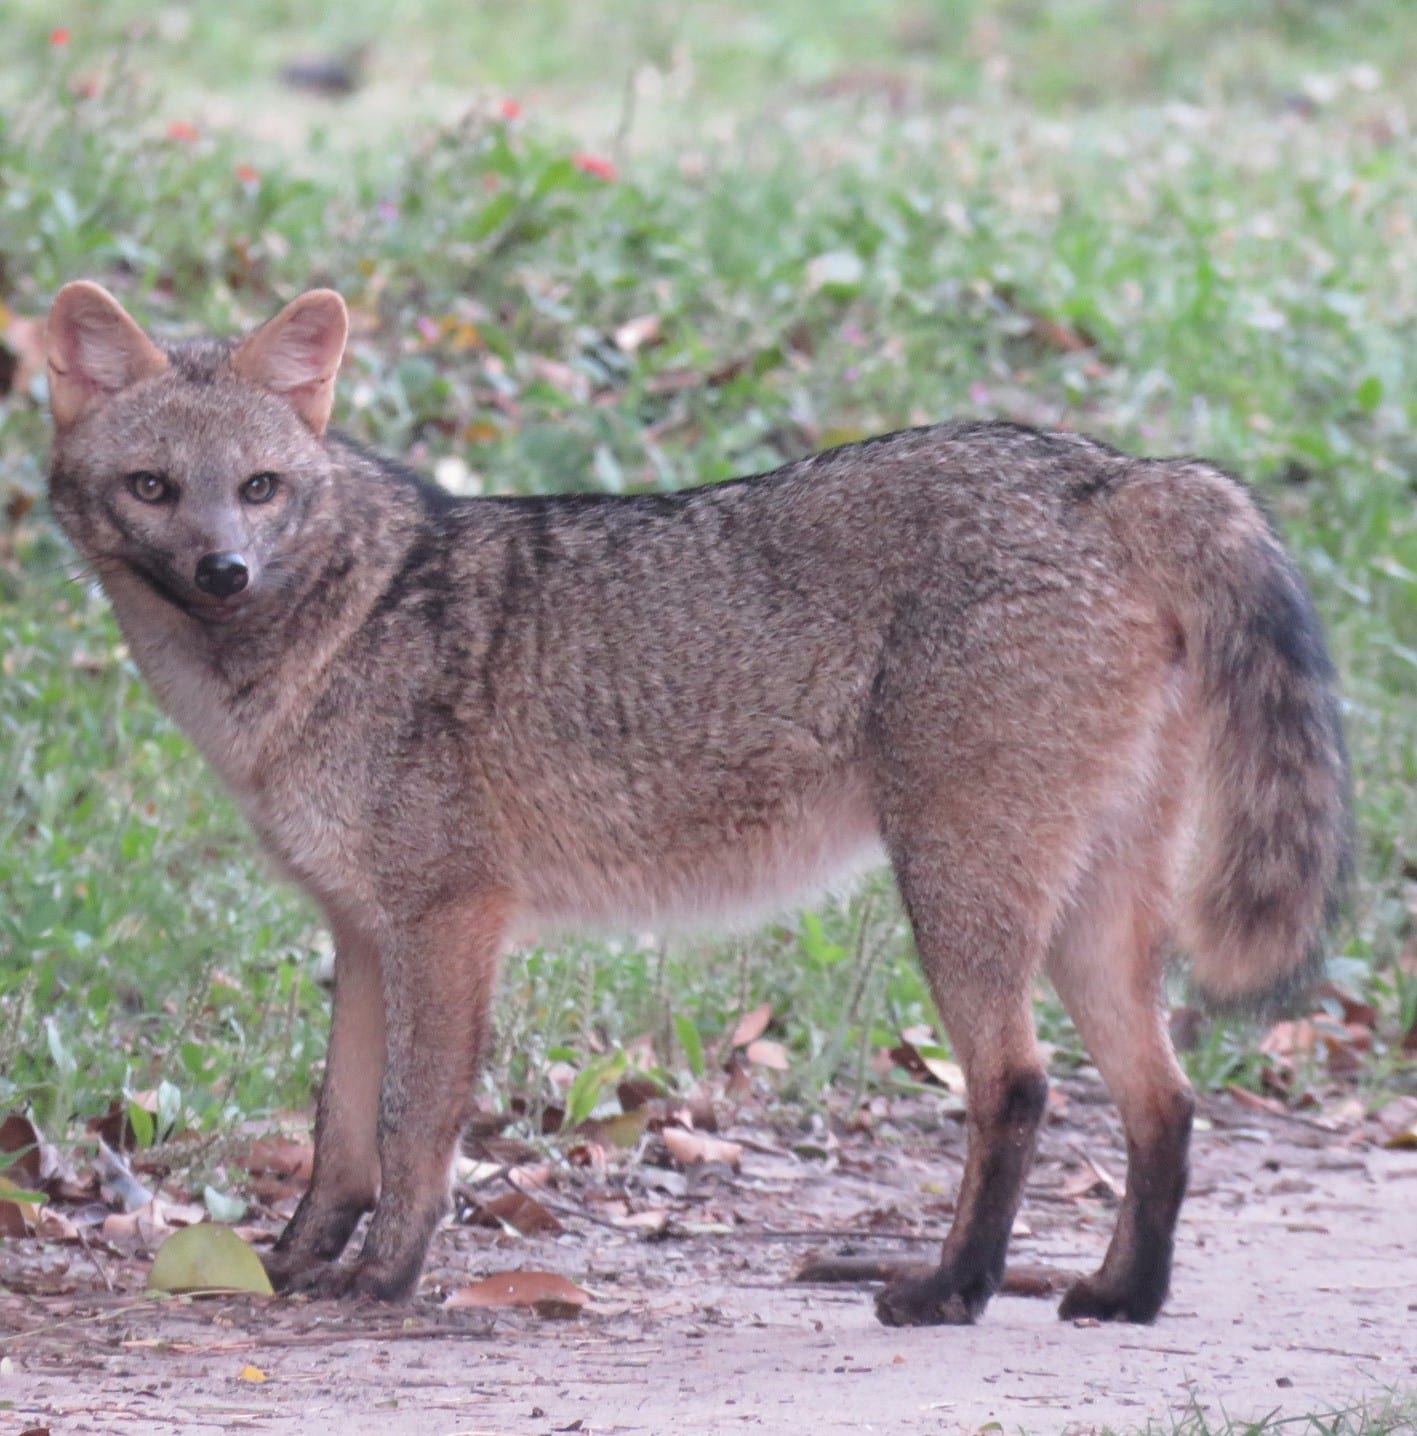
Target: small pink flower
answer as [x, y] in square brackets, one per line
[183, 131]
[248, 174]
[594, 165]
[60, 37]
[429, 329]
[510, 109]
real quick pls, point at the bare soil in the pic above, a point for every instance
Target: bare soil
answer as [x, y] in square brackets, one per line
[1295, 1292]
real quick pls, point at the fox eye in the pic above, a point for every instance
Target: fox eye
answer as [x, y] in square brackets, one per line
[148, 487]
[259, 488]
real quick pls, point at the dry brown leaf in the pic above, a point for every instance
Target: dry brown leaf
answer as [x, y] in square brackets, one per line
[767, 1054]
[544, 1291]
[690, 1149]
[1354, 1009]
[738, 1086]
[1054, 334]
[652, 1223]
[21, 1139]
[1398, 1121]
[281, 1156]
[115, 1127]
[1092, 1180]
[636, 1089]
[751, 1026]
[1255, 1101]
[702, 1113]
[54, 1226]
[915, 1056]
[522, 1213]
[17, 1218]
[1286, 1040]
[40, 1167]
[504, 1151]
[638, 333]
[280, 1167]
[148, 1224]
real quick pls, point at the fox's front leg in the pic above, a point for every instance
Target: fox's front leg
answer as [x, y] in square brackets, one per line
[439, 975]
[345, 1181]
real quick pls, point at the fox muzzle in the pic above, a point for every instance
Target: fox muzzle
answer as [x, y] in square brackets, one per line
[221, 574]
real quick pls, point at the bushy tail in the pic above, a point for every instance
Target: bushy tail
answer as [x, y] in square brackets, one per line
[1273, 826]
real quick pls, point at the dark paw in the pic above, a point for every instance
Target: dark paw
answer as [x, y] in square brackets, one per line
[323, 1280]
[1092, 1298]
[925, 1301]
[359, 1280]
[287, 1269]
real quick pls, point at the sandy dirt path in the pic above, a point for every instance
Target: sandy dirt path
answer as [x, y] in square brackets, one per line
[1296, 1291]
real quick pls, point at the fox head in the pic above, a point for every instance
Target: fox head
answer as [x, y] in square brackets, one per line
[186, 467]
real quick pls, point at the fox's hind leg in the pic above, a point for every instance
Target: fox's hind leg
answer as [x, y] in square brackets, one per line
[998, 746]
[980, 924]
[1108, 966]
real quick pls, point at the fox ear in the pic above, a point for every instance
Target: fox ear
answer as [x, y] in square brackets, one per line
[95, 349]
[297, 354]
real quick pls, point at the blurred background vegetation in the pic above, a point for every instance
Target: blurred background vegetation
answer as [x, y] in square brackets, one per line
[622, 245]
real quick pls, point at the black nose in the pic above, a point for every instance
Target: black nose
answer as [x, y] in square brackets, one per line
[221, 574]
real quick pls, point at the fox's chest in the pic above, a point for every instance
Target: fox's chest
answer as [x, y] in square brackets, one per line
[311, 830]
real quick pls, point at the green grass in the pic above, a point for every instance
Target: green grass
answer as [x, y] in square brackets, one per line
[1393, 1416]
[825, 259]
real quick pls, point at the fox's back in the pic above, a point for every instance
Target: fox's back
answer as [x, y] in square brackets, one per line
[664, 704]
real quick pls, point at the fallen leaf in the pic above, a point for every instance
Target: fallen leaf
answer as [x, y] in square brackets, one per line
[921, 1056]
[1398, 1121]
[638, 333]
[18, 1211]
[281, 1157]
[690, 1149]
[636, 1089]
[1287, 1040]
[653, 1222]
[1093, 1180]
[253, 1374]
[207, 1258]
[751, 1026]
[544, 1291]
[1255, 1101]
[523, 1214]
[767, 1054]
[1054, 334]
[21, 1140]
[54, 1226]
[1353, 1009]
[147, 1224]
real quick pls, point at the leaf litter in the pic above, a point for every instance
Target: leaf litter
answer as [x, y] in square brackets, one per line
[683, 1271]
